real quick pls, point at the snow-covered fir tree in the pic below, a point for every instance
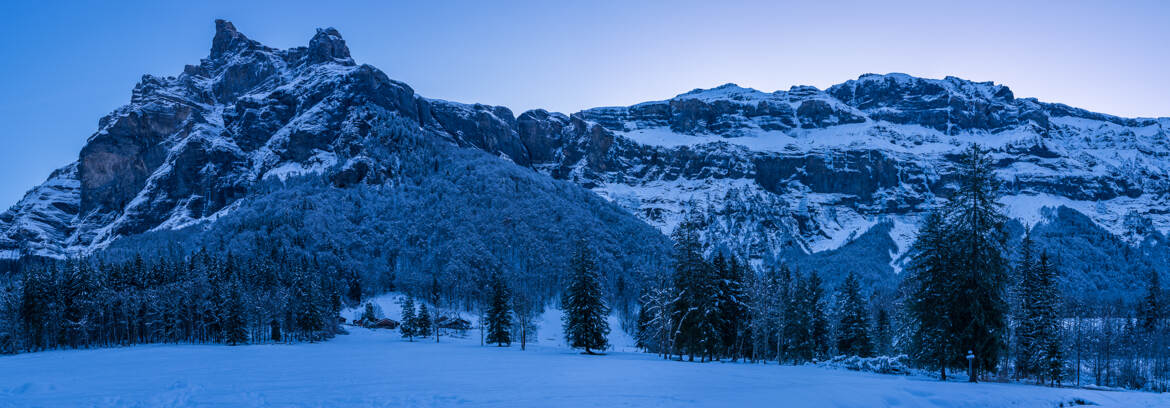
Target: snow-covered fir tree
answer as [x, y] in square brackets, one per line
[931, 290]
[586, 316]
[853, 336]
[960, 272]
[234, 319]
[499, 314]
[695, 312]
[409, 325]
[733, 300]
[423, 322]
[1152, 310]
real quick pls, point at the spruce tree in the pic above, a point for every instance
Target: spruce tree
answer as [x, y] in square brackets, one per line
[806, 326]
[1028, 322]
[1152, 310]
[235, 324]
[931, 290]
[409, 322]
[883, 333]
[733, 306]
[819, 317]
[977, 237]
[585, 313]
[695, 314]
[959, 276]
[853, 327]
[499, 316]
[423, 322]
[788, 327]
[1051, 351]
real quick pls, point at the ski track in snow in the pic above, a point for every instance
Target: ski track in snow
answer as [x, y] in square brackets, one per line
[376, 368]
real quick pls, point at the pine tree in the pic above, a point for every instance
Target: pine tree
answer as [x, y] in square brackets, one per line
[931, 289]
[585, 318]
[369, 313]
[695, 314]
[786, 313]
[409, 324]
[959, 274]
[1152, 311]
[235, 324]
[1051, 351]
[883, 333]
[310, 315]
[819, 317]
[353, 292]
[423, 322]
[499, 316]
[1028, 324]
[733, 306]
[853, 328]
[977, 237]
[806, 326]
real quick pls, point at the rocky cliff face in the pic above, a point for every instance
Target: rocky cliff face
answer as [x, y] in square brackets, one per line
[788, 172]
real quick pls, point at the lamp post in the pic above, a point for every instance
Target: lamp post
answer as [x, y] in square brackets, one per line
[971, 366]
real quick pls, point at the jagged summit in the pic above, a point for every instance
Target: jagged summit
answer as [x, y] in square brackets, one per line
[227, 40]
[328, 46]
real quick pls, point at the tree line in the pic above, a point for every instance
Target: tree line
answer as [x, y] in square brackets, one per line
[198, 298]
[968, 291]
[507, 317]
[719, 307]
[970, 299]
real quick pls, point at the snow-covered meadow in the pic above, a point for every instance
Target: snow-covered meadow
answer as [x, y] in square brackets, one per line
[377, 368]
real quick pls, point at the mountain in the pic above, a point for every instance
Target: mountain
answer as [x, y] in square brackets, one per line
[809, 176]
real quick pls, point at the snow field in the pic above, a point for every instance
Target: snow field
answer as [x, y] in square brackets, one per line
[377, 368]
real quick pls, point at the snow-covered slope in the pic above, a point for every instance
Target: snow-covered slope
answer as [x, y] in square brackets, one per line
[787, 173]
[377, 368]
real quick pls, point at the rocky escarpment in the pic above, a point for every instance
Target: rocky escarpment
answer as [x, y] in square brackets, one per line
[787, 172]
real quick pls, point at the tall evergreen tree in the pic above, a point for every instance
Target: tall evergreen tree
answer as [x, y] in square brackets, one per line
[423, 323]
[499, 315]
[931, 290]
[695, 314]
[235, 324]
[1152, 309]
[806, 326]
[1046, 301]
[978, 238]
[787, 313]
[853, 327]
[733, 306]
[409, 323]
[960, 275]
[585, 318]
[818, 315]
[1027, 344]
[883, 338]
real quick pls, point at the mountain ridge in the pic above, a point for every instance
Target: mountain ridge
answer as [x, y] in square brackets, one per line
[790, 172]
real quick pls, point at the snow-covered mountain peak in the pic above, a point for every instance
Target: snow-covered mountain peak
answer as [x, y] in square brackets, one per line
[727, 92]
[803, 171]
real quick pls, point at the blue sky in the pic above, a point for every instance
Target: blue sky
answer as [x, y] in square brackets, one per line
[66, 64]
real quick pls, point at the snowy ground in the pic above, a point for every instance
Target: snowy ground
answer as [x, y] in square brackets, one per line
[370, 368]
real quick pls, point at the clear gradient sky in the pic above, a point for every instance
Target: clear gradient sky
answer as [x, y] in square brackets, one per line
[63, 65]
